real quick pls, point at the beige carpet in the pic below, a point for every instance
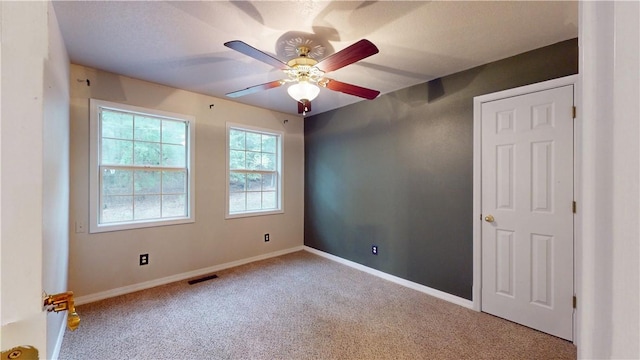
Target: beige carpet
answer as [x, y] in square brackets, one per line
[297, 306]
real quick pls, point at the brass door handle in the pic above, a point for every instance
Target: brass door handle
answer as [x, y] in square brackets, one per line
[489, 218]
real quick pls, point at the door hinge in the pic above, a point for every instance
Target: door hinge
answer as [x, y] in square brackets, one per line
[575, 207]
[575, 111]
[575, 302]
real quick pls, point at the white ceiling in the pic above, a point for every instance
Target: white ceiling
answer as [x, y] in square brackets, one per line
[180, 44]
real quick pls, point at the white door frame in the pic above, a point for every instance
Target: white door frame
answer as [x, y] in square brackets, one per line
[477, 179]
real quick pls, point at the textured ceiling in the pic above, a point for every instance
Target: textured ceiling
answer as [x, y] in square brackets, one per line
[180, 44]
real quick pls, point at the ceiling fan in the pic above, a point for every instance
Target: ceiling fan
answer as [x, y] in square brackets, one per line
[307, 73]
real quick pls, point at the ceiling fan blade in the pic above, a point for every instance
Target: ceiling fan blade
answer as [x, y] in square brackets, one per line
[350, 89]
[356, 52]
[304, 106]
[249, 50]
[256, 88]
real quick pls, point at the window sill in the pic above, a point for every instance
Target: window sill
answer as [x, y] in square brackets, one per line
[138, 225]
[252, 214]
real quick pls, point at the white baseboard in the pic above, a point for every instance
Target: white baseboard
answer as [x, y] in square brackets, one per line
[178, 277]
[63, 327]
[400, 281]
[191, 274]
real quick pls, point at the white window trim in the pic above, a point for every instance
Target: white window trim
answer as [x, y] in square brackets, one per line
[280, 170]
[94, 166]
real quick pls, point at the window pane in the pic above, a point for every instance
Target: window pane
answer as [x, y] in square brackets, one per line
[269, 200]
[174, 132]
[116, 152]
[140, 167]
[174, 182]
[253, 171]
[116, 209]
[268, 143]
[117, 182]
[254, 141]
[147, 182]
[173, 155]
[254, 160]
[254, 182]
[174, 206]
[237, 182]
[236, 159]
[146, 129]
[117, 125]
[254, 201]
[146, 153]
[269, 162]
[269, 182]
[236, 139]
[237, 202]
[146, 207]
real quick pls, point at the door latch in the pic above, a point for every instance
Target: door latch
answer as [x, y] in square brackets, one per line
[63, 302]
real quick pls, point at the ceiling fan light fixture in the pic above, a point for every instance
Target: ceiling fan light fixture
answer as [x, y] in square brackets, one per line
[303, 90]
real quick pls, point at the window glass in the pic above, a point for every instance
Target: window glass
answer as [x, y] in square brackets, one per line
[143, 160]
[254, 168]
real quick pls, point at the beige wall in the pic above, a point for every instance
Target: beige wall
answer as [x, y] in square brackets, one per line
[106, 261]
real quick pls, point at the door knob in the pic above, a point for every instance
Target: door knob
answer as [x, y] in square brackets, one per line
[489, 218]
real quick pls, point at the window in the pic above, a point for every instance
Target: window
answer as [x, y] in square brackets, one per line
[141, 167]
[254, 168]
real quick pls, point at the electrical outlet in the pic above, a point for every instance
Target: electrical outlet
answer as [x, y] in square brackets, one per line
[144, 259]
[266, 237]
[374, 249]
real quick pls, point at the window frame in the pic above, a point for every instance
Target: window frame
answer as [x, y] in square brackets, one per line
[95, 127]
[279, 170]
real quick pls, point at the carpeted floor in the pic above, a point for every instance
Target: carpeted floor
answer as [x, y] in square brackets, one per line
[297, 306]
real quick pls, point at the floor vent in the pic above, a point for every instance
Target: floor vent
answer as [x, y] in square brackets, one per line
[204, 278]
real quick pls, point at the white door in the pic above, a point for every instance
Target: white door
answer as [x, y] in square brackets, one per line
[23, 320]
[527, 210]
[34, 180]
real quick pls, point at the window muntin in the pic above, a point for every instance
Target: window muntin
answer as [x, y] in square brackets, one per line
[142, 167]
[254, 158]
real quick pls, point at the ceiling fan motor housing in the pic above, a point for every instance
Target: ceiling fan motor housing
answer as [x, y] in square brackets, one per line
[303, 68]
